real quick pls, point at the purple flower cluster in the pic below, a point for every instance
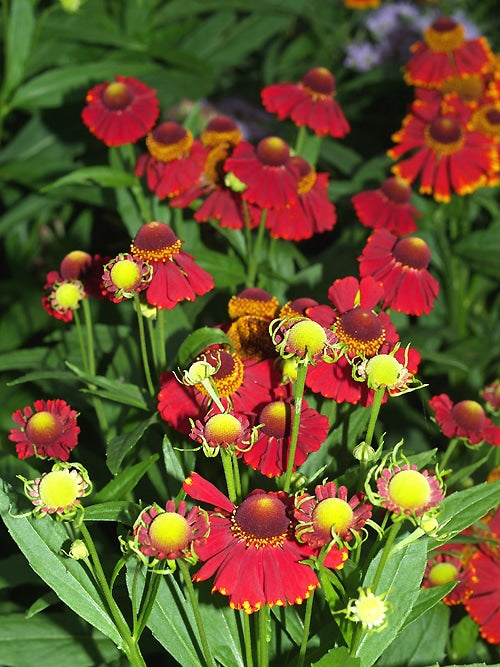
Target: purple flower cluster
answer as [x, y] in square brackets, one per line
[391, 30]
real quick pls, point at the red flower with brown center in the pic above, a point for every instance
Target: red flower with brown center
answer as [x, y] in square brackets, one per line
[401, 266]
[251, 312]
[465, 419]
[175, 160]
[266, 174]
[310, 103]
[360, 330]
[251, 549]
[313, 212]
[269, 453]
[388, 207]
[242, 385]
[446, 155]
[48, 431]
[445, 53]
[121, 111]
[176, 276]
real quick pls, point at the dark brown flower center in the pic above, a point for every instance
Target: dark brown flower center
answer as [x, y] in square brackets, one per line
[230, 373]
[360, 331]
[444, 24]
[261, 520]
[155, 242]
[75, 264]
[272, 152]
[117, 96]
[493, 116]
[444, 35]
[469, 415]
[277, 419]
[43, 428]
[221, 129]
[397, 190]
[445, 130]
[253, 301]
[412, 252]
[319, 80]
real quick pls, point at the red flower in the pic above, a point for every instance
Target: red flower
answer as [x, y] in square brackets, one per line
[120, 112]
[465, 419]
[251, 312]
[361, 331]
[491, 395]
[48, 431]
[268, 175]
[312, 213]
[242, 385]
[63, 298]
[329, 514]
[445, 53]
[175, 161]
[311, 103]
[388, 207]
[446, 155]
[483, 605]
[449, 563]
[176, 276]
[251, 549]
[401, 266]
[270, 452]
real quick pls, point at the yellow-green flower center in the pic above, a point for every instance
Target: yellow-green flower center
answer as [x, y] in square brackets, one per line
[59, 489]
[223, 429]
[125, 274]
[383, 371]
[68, 295]
[43, 428]
[333, 514]
[442, 573]
[409, 490]
[169, 532]
[306, 336]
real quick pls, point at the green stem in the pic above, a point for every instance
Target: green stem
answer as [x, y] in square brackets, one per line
[160, 340]
[236, 473]
[229, 474]
[375, 409]
[254, 258]
[83, 351]
[452, 445]
[247, 634]
[128, 160]
[142, 340]
[305, 632]
[151, 335]
[90, 336]
[301, 137]
[297, 410]
[178, 222]
[196, 610]
[147, 605]
[130, 646]
[263, 652]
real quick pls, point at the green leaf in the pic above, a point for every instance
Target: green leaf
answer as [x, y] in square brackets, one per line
[337, 657]
[121, 445]
[426, 599]
[44, 638]
[401, 579]
[119, 511]
[123, 483]
[481, 250]
[198, 341]
[114, 390]
[20, 29]
[423, 642]
[172, 464]
[41, 541]
[106, 177]
[461, 509]
[463, 637]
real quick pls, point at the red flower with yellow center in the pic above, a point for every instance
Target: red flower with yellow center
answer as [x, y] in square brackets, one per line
[401, 266]
[329, 514]
[269, 453]
[221, 130]
[63, 298]
[359, 330]
[175, 160]
[310, 103]
[388, 207]
[171, 532]
[445, 565]
[465, 419]
[313, 211]
[445, 53]
[176, 276]
[47, 431]
[242, 385]
[446, 155]
[406, 490]
[221, 430]
[268, 178]
[120, 112]
[251, 549]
